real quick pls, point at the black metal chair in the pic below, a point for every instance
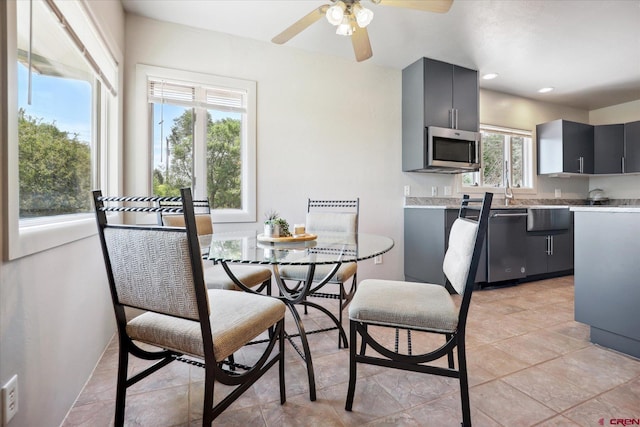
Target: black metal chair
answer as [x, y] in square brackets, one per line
[423, 307]
[214, 275]
[330, 216]
[159, 270]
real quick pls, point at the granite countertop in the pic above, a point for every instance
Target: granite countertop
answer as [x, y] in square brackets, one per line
[575, 204]
[623, 208]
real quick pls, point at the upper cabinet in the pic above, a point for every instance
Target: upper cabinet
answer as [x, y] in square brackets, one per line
[569, 147]
[565, 147]
[442, 95]
[608, 148]
[436, 93]
[632, 147]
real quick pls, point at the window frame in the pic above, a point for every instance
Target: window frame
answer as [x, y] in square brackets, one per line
[461, 188]
[249, 190]
[29, 236]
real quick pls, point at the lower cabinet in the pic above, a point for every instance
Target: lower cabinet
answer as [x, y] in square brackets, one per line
[549, 253]
[426, 238]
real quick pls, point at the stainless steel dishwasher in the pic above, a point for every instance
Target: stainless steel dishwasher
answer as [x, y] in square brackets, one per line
[506, 245]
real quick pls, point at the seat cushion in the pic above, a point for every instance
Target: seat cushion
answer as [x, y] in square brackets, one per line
[216, 278]
[421, 306]
[236, 319]
[299, 272]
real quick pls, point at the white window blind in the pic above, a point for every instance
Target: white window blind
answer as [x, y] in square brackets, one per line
[162, 91]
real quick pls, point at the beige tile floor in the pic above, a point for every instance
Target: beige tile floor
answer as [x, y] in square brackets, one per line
[530, 364]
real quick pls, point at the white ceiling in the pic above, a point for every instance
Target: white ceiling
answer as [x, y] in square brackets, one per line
[589, 50]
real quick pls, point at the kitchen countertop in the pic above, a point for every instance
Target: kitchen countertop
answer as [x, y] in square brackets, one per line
[634, 209]
[620, 205]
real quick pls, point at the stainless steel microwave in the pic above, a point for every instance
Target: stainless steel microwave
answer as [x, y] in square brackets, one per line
[452, 150]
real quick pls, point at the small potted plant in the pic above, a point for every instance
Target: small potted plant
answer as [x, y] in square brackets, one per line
[274, 226]
[271, 227]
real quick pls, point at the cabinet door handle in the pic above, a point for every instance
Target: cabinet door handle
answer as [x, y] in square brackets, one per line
[623, 165]
[548, 251]
[451, 118]
[503, 215]
[581, 164]
[550, 245]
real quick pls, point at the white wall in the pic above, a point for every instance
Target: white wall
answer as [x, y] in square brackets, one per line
[617, 187]
[56, 315]
[326, 127]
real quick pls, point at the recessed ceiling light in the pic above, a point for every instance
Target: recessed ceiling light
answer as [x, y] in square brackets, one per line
[545, 89]
[490, 76]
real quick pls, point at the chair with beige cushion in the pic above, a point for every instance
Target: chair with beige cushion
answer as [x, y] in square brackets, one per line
[159, 270]
[422, 307]
[330, 216]
[214, 275]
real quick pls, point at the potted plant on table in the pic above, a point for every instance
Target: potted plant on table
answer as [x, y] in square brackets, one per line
[274, 226]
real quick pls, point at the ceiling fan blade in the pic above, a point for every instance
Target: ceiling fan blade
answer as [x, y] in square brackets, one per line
[361, 44]
[300, 25]
[438, 6]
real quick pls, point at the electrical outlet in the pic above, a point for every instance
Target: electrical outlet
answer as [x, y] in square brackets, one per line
[447, 190]
[377, 259]
[10, 399]
[407, 190]
[558, 193]
[434, 191]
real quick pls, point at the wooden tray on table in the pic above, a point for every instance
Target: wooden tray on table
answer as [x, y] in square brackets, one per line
[290, 239]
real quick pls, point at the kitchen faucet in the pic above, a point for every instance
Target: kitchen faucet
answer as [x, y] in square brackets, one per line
[508, 192]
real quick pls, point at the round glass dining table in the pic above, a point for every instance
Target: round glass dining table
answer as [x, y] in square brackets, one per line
[249, 247]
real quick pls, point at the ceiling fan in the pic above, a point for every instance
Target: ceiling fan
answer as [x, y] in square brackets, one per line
[351, 19]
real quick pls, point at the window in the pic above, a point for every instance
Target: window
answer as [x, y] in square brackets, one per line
[203, 137]
[60, 113]
[506, 159]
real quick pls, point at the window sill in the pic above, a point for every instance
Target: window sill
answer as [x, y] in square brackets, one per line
[37, 237]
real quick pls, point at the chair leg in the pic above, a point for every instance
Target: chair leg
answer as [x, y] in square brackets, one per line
[352, 365]
[363, 345]
[207, 406]
[464, 384]
[450, 354]
[340, 299]
[283, 395]
[121, 387]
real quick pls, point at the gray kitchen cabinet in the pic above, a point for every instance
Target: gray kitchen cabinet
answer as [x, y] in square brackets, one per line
[607, 250]
[426, 238]
[549, 252]
[565, 147]
[436, 93]
[632, 147]
[424, 244]
[608, 149]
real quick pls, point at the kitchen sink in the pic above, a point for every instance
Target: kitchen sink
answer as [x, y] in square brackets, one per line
[548, 219]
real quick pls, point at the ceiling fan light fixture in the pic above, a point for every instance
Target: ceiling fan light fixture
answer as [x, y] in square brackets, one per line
[345, 28]
[363, 15]
[335, 13]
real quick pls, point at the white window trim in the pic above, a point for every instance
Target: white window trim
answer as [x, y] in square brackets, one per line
[249, 195]
[32, 236]
[461, 189]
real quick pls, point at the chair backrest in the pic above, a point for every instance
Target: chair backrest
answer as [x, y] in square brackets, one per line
[465, 243]
[202, 211]
[152, 268]
[339, 216]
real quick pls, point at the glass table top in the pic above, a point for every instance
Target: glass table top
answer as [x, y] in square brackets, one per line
[328, 248]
